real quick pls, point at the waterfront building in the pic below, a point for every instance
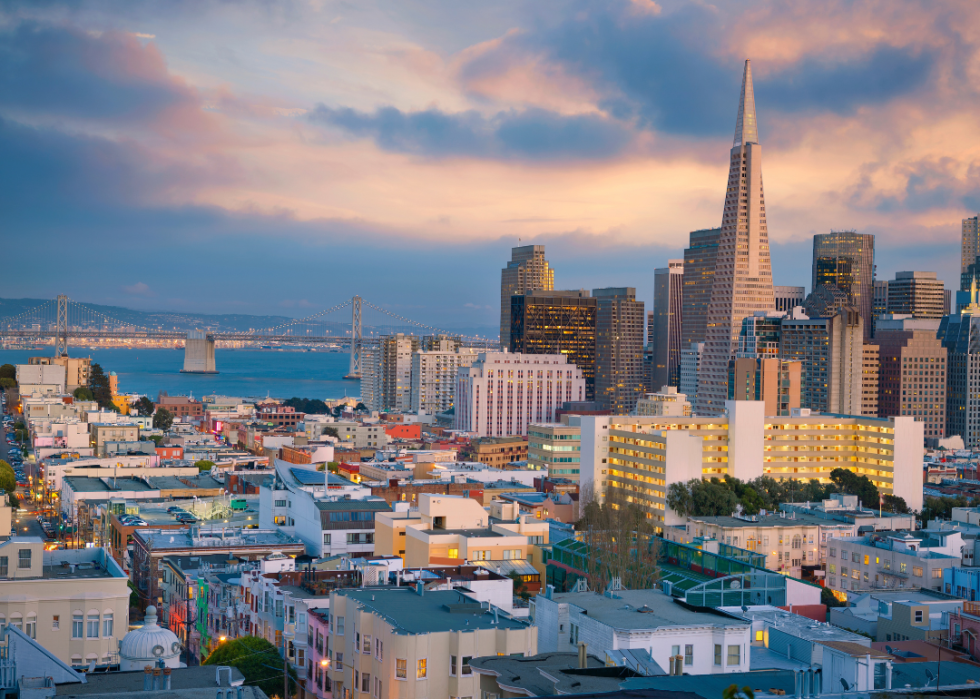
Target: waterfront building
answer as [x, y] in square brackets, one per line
[918, 294]
[743, 272]
[699, 274]
[789, 297]
[846, 259]
[666, 323]
[619, 380]
[528, 270]
[912, 378]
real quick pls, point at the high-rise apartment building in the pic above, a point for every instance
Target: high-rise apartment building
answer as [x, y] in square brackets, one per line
[527, 270]
[434, 378]
[557, 322]
[869, 380]
[386, 373]
[699, 275]
[789, 297]
[831, 351]
[918, 294]
[773, 381]
[846, 259]
[665, 331]
[912, 379]
[619, 379]
[690, 366]
[501, 393]
[970, 247]
[743, 272]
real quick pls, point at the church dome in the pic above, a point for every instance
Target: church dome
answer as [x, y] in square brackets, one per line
[148, 644]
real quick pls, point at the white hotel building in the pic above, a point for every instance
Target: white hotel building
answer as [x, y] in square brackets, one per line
[502, 393]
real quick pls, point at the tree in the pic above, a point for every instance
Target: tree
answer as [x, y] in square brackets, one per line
[163, 419]
[827, 598]
[258, 660]
[6, 383]
[520, 587]
[99, 384]
[83, 393]
[733, 692]
[853, 484]
[156, 438]
[204, 465]
[332, 431]
[144, 406]
[896, 504]
[8, 371]
[310, 406]
[8, 481]
[360, 408]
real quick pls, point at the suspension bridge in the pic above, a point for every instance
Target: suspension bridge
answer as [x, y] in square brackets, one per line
[64, 320]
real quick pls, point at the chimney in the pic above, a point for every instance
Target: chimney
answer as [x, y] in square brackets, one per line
[583, 656]
[147, 678]
[166, 678]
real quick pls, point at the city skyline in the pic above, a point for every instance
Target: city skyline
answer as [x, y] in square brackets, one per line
[208, 147]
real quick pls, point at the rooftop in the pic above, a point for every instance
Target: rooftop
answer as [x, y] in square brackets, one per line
[184, 678]
[213, 537]
[855, 650]
[641, 609]
[536, 674]
[344, 504]
[796, 625]
[772, 519]
[713, 686]
[462, 532]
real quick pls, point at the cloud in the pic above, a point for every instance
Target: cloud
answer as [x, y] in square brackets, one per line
[139, 289]
[531, 134]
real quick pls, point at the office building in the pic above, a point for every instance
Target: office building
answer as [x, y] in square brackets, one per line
[879, 302]
[558, 322]
[495, 452]
[527, 270]
[667, 402]
[775, 382]
[619, 380]
[699, 274]
[761, 333]
[434, 378]
[743, 271]
[912, 378]
[831, 351]
[960, 336]
[690, 367]
[556, 447]
[666, 324]
[918, 294]
[644, 455]
[825, 301]
[846, 259]
[869, 379]
[502, 393]
[970, 245]
[789, 297]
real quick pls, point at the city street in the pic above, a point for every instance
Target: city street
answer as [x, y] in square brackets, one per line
[26, 524]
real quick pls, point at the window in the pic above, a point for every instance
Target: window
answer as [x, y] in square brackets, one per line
[365, 682]
[452, 664]
[832, 568]
[903, 567]
[31, 628]
[378, 648]
[420, 672]
[573, 634]
[401, 668]
[326, 542]
[832, 553]
[917, 571]
[454, 552]
[3, 567]
[918, 616]
[867, 560]
[107, 625]
[55, 622]
[367, 645]
[937, 573]
[339, 630]
[688, 655]
[717, 654]
[843, 572]
[734, 655]
[78, 624]
[759, 636]
[465, 670]
[92, 630]
[24, 558]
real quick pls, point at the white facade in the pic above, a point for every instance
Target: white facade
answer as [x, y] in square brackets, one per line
[434, 379]
[502, 392]
[41, 375]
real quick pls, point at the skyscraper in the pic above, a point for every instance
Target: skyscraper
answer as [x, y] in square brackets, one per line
[970, 247]
[919, 294]
[526, 271]
[912, 378]
[960, 335]
[665, 331]
[557, 322]
[619, 380]
[789, 297]
[699, 275]
[743, 272]
[879, 302]
[847, 260]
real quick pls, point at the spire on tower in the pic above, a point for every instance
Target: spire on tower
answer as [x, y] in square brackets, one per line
[746, 126]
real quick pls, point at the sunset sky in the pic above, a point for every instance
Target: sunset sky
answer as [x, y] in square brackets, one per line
[279, 157]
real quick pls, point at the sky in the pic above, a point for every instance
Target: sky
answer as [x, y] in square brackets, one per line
[280, 157]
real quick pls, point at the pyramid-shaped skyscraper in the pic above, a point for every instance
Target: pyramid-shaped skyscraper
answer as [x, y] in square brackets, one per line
[743, 272]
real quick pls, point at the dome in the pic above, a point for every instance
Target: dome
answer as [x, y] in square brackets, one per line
[148, 644]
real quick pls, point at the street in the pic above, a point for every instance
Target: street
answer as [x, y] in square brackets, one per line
[23, 524]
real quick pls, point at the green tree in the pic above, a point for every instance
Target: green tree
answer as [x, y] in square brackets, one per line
[258, 660]
[156, 438]
[144, 406]
[83, 393]
[360, 408]
[204, 465]
[896, 504]
[6, 383]
[8, 481]
[332, 431]
[99, 384]
[310, 406]
[853, 484]
[8, 371]
[679, 497]
[163, 419]
[827, 598]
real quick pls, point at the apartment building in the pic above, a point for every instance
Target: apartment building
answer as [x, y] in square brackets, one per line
[495, 452]
[870, 368]
[415, 643]
[180, 406]
[557, 447]
[917, 619]
[100, 433]
[363, 435]
[774, 381]
[434, 378]
[668, 401]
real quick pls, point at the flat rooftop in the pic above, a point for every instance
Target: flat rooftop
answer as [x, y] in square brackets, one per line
[794, 519]
[796, 625]
[204, 538]
[641, 609]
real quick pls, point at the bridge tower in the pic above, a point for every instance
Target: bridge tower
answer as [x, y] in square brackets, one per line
[355, 339]
[61, 337]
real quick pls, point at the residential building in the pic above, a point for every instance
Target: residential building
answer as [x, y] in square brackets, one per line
[392, 377]
[528, 270]
[362, 435]
[699, 274]
[917, 619]
[278, 415]
[870, 369]
[555, 446]
[775, 382]
[865, 609]
[918, 294]
[846, 259]
[960, 336]
[496, 452]
[619, 379]
[100, 433]
[644, 455]
[831, 353]
[788, 297]
[743, 272]
[434, 378]
[181, 406]
[557, 322]
[666, 324]
[74, 603]
[31, 375]
[964, 628]
[879, 302]
[840, 507]
[690, 367]
[912, 375]
[502, 393]
[667, 402]
[623, 620]
[554, 506]
[891, 560]
[420, 641]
